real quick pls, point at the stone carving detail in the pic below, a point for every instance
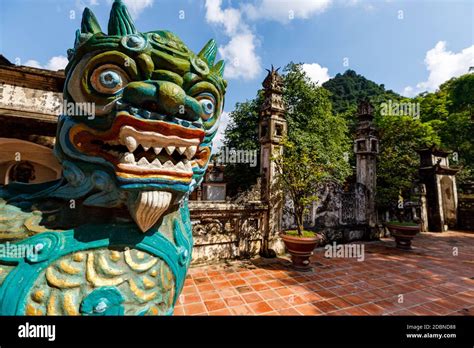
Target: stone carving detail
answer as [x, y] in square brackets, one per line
[273, 85]
[254, 194]
[348, 208]
[226, 230]
[213, 226]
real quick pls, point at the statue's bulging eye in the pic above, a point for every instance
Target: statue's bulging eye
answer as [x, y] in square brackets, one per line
[208, 103]
[108, 79]
[207, 106]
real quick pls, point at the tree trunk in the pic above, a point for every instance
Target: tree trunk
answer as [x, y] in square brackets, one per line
[299, 213]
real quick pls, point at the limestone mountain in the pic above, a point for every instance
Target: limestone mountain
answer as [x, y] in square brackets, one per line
[348, 88]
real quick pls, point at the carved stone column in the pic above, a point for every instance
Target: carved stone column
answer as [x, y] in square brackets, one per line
[272, 128]
[366, 148]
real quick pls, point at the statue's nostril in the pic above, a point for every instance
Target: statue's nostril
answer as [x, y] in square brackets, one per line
[162, 97]
[138, 93]
[151, 106]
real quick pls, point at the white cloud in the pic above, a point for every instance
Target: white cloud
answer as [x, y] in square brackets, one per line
[408, 91]
[367, 5]
[219, 138]
[33, 63]
[136, 7]
[316, 73]
[242, 60]
[230, 18]
[239, 53]
[81, 4]
[284, 11]
[55, 63]
[442, 65]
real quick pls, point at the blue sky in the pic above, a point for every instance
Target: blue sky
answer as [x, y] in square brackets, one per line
[410, 46]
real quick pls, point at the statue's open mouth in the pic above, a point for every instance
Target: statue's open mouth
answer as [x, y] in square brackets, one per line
[152, 151]
[144, 148]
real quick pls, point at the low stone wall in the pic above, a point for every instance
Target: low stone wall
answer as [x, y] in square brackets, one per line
[224, 231]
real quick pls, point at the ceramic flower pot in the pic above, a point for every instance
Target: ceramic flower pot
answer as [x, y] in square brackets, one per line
[300, 249]
[403, 234]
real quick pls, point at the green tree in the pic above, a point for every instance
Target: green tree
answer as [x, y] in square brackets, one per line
[242, 134]
[300, 171]
[449, 112]
[398, 162]
[312, 124]
[461, 93]
[349, 88]
[317, 143]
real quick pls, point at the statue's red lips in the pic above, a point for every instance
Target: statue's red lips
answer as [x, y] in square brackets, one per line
[162, 127]
[90, 141]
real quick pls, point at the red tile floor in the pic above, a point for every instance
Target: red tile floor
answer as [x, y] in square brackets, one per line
[435, 278]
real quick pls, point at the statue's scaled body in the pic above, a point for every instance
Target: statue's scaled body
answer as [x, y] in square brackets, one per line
[113, 235]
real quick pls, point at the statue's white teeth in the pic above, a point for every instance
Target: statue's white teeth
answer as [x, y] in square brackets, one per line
[180, 166]
[156, 163]
[183, 166]
[170, 149]
[131, 143]
[168, 164]
[143, 162]
[190, 152]
[129, 158]
[175, 154]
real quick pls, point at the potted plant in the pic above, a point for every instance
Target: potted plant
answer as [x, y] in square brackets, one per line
[299, 175]
[403, 232]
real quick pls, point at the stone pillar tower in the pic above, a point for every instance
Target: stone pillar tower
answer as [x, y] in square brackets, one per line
[272, 128]
[366, 148]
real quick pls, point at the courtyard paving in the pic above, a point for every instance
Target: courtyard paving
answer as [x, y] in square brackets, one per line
[435, 278]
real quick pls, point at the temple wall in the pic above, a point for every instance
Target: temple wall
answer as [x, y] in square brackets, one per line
[223, 230]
